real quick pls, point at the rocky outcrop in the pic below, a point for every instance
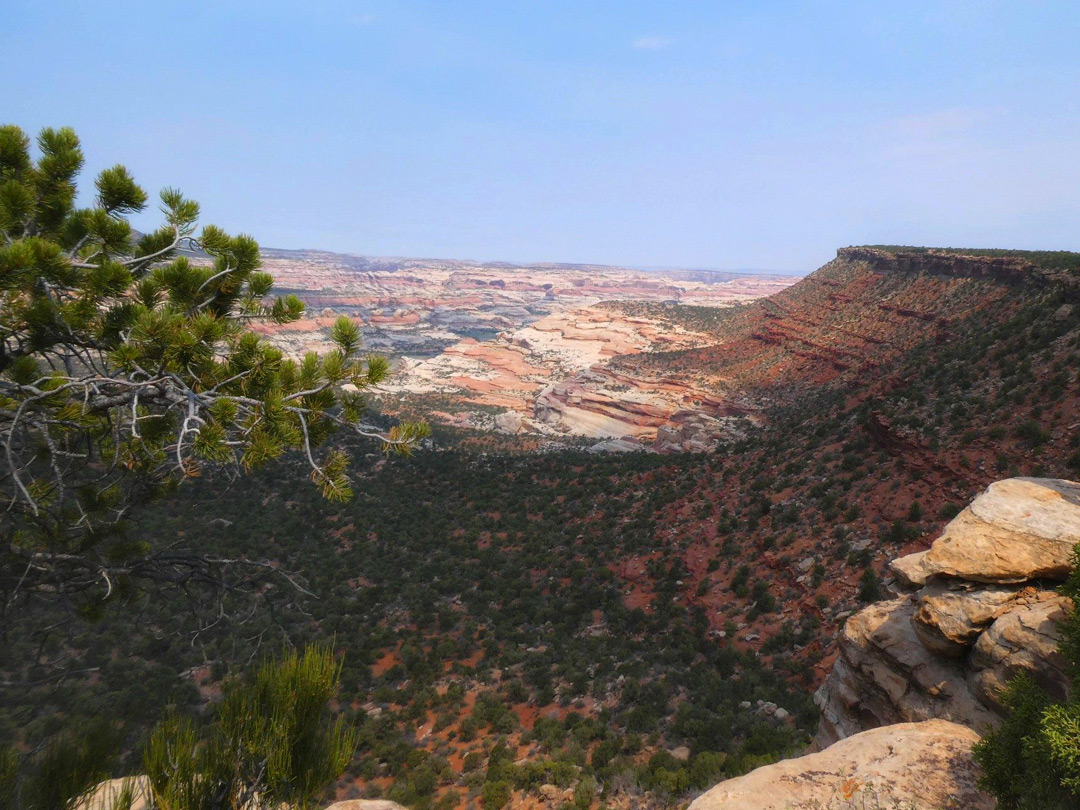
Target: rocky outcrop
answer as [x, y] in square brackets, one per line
[1009, 269]
[1025, 638]
[885, 675]
[976, 612]
[921, 766]
[661, 413]
[1017, 530]
[918, 678]
[947, 619]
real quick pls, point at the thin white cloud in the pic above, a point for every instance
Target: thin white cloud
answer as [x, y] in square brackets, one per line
[362, 20]
[653, 43]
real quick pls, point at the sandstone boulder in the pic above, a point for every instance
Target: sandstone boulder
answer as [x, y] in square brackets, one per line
[365, 804]
[949, 616]
[105, 794]
[912, 570]
[1018, 529]
[884, 675]
[508, 422]
[550, 793]
[921, 766]
[1024, 639]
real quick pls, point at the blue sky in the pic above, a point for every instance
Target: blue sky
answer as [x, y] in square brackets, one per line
[692, 133]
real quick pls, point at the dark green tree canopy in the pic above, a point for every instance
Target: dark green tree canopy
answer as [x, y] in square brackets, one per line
[127, 365]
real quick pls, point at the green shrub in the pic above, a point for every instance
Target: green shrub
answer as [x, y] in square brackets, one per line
[495, 795]
[869, 586]
[1032, 762]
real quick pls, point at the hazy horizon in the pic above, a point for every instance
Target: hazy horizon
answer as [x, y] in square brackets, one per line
[682, 135]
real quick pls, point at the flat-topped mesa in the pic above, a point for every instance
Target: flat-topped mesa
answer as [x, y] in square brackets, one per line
[976, 611]
[1010, 267]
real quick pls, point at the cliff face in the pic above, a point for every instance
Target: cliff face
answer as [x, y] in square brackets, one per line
[976, 609]
[845, 322]
[1008, 269]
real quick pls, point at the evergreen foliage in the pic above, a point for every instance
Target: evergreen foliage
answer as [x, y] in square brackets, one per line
[273, 744]
[127, 366]
[1033, 761]
[63, 773]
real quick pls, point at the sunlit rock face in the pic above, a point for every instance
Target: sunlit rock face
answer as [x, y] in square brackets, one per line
[921, 766]
[977, 610]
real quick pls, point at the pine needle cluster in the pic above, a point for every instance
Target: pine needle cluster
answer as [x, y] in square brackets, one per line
[127, 365]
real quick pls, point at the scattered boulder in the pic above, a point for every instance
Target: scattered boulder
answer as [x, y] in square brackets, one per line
[550, 793]
[365, 804]
[921, 766]
[508, 422]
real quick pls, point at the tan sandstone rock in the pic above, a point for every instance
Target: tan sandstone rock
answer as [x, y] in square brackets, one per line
[1024, 639]
[921, 766]
[1018, 529]
[950, 616]
[885, 675]
[912, 570]
[365, 804]
[508, 422]
[105, 794]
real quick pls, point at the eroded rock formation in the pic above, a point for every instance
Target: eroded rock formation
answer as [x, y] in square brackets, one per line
[978, 609]
[919, 677]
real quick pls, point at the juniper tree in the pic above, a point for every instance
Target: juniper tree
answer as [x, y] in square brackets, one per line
[273, 744]
[1032, 762]
[127, 366]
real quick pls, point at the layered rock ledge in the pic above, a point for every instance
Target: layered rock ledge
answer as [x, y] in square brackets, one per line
[977, 608]
[1010, 269]
[918, 677]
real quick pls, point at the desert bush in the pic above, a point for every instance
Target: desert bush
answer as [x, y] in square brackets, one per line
[1032, 762]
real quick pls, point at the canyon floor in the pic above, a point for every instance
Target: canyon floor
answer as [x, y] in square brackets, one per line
[526, 349]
